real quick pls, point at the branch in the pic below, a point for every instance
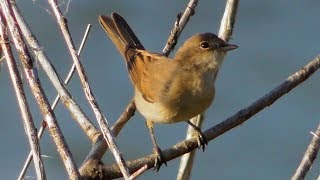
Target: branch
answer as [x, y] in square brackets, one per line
[228, 20]
[30, 155]
[55, 102]
[186, 161]
[233, 121]
[100, 146]
[37, 90]
[103, 123]
[22, 101]
[179, 26]
[309, 156]
[87, 126]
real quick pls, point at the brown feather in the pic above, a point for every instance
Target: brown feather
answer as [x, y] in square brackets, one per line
[141, 64]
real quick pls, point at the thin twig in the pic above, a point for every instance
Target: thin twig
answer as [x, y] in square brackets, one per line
[30, 156]
[309, 157]
[37, 90]
[55, 102]
[103, 123]
[186, 162]
[179, 26]
[100, 146]
[225, 32]
[233, 121]
[139, 172]
[22, 101]
[77, 113]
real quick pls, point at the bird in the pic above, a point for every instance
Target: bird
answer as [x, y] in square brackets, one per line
[169, 90]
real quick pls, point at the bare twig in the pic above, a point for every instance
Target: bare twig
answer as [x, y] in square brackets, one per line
[186, 161]
[87, 90]
[123, 119]
[179, 26]
[228, 19]
[91, 131]
[309, 156]
[139, 172]
[233, 121]
[34, 82]
[30, 156]
[55, 102]
[100, 146]
[225, 32]
[22, 101]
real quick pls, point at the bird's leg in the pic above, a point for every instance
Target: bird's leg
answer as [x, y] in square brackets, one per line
[202, 141]
[156, 150]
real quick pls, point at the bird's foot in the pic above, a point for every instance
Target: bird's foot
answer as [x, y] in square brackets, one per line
[159, 159]
[202, 141]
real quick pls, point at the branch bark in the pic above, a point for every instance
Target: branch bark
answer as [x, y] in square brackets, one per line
[37, 90]
[309, 157]
[22, 101]
[179, 26]
[54, 104]
[103, 123]
[77, 113]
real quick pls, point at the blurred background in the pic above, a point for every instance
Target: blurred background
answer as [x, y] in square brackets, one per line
[275, 39]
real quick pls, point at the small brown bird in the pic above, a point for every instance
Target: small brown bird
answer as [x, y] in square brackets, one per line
[169, 90]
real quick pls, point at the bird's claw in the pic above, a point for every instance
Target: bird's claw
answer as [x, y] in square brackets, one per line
[159, 159]
[202, 141]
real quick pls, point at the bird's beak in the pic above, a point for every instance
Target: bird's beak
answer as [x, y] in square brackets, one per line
[228, 47]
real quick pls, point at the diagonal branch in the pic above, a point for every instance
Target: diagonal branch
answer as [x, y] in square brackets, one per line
[179, 26]
[77, 113]
[38, 92]
[103, 123]
[233, 121]
[309, 156]
[54, 104]
[100, 146]
[22, 101]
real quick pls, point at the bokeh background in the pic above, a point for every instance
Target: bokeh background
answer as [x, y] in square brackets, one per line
[275, 39]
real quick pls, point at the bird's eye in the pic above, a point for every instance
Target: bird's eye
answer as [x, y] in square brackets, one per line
[205, 45]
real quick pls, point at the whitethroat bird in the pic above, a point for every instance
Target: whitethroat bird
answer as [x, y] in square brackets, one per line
[169, 90]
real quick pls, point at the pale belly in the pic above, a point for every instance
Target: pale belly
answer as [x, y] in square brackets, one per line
[175, 111]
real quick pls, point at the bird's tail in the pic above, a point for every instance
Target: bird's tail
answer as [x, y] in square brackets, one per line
[120, 33]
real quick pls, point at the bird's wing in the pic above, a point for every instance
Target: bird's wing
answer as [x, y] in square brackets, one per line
[149, 72]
